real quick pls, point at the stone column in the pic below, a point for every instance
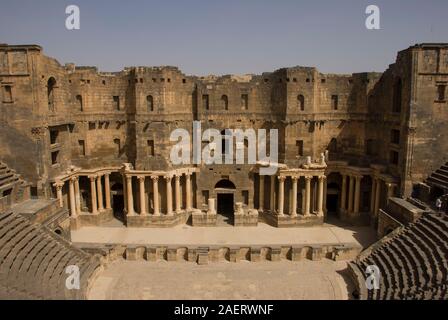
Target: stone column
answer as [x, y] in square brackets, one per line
[77, 196]
[377, 197]
[107, 190]
[177, 191]
[99, 188]
[141, 181]
[325, 196]
[155, 191]
[307, 195]
[272, 191]
[125, 198]
[129, 195]
[59, 186]
[211, 206]
[372, 196]
[350, 194]
[357, 194]
[390, 190]
[72, 198]
[188, 191]
[281, 195]
[261, 205]
[320, 196]
[93, 194]
[303, 201]
[344, 192]
[169, 196]
[294, 197]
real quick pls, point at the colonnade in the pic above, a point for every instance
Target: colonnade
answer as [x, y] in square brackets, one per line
[352, 194]
[306, 195]
[129, 197]
[98, 202]
[100, 193]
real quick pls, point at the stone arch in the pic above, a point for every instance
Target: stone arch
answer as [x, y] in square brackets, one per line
[225, 101]
[150, 103]
[51, 85]
[225, 184]
[79, 102]
[301, 102]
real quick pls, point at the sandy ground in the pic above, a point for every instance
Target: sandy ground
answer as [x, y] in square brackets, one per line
[309, 280]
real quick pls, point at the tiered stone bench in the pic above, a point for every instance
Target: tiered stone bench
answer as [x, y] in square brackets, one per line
[33, 261]
[413, 262]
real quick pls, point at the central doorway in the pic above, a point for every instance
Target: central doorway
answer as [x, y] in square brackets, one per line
[225, 207]
[225, 195]
[118, 201]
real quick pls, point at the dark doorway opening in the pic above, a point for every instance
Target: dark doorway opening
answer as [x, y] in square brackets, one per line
[118, 201]
[118, 206]
[225, 207]
[332, 204]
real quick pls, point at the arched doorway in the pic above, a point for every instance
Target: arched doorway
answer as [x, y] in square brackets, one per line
[225, 194]
[332, 199]
[118, 201]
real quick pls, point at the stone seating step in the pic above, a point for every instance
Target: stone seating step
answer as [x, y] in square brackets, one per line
[5, 175]
[441, 176]
[12, 238]
[50, 269]
[385, 276]
[409, 257]
[396, 281]
[59, 277]
[29, 251]
[429, 260]
[437, 181]
[14, 256]
[437, 247]
[403, 271]
[42, 268]
[33, 269]
[24, 271]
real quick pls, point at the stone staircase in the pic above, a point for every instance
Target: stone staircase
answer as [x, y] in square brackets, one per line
[33, 262]
[413, 262]
[12, 187]
[439, 177]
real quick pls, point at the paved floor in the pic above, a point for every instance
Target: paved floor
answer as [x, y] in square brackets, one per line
[261, 235]
[143, 280]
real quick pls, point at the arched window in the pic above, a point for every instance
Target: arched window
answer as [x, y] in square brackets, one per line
[79, 102]
[225, 102]
[397, 96]
[150, 103]
[51, 85]
[301, 102]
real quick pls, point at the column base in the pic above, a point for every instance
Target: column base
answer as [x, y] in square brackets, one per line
[157, 221]
[247, 218]
[203, 219]
[286, 221]
[89, 219]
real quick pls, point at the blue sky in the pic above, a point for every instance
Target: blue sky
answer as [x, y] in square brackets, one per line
[228, 36]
